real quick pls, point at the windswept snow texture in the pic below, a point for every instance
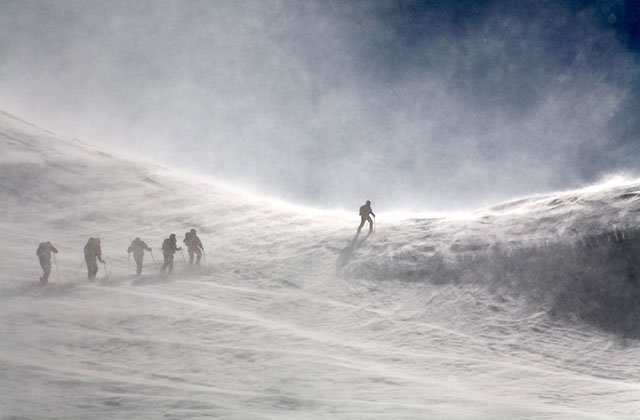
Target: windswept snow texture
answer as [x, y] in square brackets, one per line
[528, 310]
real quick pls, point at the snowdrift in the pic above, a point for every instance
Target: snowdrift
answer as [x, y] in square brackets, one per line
[575, 254]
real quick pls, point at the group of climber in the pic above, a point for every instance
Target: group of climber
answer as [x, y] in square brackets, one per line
[170, 246]
[93, 252]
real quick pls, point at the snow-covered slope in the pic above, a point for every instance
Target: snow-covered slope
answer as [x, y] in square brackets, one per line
[525, 310]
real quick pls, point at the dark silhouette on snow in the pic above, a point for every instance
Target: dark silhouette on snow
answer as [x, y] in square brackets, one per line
[169, 247]
[92, 254]
[194, 246]
[138, 246]
[365, 211]
[44, 255]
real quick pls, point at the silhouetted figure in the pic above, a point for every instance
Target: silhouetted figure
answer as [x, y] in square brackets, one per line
[365, 211]
[194, 246]
[169, 247]
[92, 254]
[44, 255]
[138, 246]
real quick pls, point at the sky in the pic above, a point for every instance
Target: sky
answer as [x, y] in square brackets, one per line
[416, 105]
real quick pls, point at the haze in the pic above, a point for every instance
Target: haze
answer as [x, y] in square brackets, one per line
[413, 105]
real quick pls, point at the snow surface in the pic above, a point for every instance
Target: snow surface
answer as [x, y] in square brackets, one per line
[528, 310]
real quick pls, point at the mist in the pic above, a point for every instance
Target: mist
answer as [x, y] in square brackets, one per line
[495, 140]
[413, 105]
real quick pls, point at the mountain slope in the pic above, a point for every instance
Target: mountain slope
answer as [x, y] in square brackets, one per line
[524, 310]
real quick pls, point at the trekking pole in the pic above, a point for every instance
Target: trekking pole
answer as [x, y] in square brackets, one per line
[183, 258]
[56, 264]
[128, 260]
[154, 262]
[81, 264]
[204, 257]
[106, 274]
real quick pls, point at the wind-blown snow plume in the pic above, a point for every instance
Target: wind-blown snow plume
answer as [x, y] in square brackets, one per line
[575, 254]
[412, 104]
[512, 311]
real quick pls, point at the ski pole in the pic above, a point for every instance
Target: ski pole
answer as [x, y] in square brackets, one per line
[81, 264]
[56, 264]
[154, 262]
[204, 257]
[128, 259]
[183, 258]
[106, 274]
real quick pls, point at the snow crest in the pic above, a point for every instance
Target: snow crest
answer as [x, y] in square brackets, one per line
[575, 254]
[524, 310]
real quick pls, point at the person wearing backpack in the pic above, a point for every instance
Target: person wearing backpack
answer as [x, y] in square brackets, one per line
[169, 247]
[44, 255]
[365, 211]
[92, 254]
[138, 246]
[194, 246]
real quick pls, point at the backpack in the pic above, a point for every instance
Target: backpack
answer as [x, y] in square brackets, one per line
[42, 249]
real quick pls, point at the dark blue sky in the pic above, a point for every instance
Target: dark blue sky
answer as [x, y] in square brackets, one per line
[417, 19]
[418, 22]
